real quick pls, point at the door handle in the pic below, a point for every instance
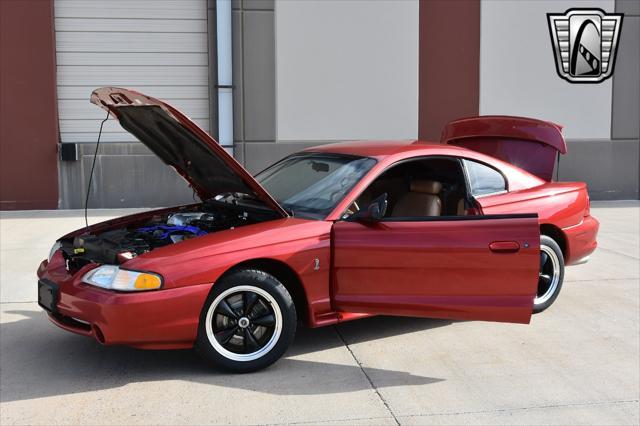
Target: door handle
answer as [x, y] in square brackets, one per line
[504, 246]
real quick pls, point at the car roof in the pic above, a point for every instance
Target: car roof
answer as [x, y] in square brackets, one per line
[385, 148]
[389, 151]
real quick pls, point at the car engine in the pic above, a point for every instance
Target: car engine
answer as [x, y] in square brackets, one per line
[116, 246]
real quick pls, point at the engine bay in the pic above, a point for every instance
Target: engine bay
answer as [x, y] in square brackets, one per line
[122, 243]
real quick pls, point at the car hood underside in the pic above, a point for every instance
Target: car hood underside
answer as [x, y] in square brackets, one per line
[181, 144]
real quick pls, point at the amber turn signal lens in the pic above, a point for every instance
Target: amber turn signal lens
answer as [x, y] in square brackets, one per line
[147, 282]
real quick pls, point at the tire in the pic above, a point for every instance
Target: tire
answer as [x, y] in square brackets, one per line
[229, 335]
[551, 274]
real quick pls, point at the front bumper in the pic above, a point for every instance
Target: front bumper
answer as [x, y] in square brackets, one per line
[581, 240]
[159, 319]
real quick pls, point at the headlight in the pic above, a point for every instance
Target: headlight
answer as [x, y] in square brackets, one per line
[113, 278]
[55, 248]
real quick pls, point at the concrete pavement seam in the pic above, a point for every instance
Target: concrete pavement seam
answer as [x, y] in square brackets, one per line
[617, 252]
[602, 279]
[533, 407]
[329, 421]
[373, 386]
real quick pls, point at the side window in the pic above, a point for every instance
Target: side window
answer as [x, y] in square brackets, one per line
[484, 180]
[421, 187]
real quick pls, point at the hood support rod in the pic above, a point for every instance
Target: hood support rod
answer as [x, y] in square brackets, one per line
[93, 165]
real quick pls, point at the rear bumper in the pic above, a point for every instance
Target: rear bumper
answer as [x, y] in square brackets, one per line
[581, 240]
[160, 319]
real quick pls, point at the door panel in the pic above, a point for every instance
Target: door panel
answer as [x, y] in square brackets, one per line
[467, 268]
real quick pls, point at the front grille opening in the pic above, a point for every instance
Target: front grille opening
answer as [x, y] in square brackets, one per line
[73, 323]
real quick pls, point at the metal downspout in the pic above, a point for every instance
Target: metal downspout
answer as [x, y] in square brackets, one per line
[225, 74]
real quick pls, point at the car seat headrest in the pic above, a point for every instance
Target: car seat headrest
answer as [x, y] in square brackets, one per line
[426, 186]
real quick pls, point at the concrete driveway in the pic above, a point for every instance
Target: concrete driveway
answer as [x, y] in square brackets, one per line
[576, 363]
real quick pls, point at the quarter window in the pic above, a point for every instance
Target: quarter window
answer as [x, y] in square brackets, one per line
[483, 179]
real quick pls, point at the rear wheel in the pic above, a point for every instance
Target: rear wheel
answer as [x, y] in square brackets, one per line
[551, 274]
[247, 323]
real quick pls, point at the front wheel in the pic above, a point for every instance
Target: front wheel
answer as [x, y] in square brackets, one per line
[551, 274]
[247, 323]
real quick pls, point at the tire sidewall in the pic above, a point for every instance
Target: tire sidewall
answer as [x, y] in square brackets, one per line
[285, 303]
[553, 245]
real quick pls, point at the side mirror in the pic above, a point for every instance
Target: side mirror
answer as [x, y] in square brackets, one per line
[374, 212]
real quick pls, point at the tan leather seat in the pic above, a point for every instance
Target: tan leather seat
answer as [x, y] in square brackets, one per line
[421, 200]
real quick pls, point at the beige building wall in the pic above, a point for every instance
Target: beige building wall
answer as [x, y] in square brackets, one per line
[346, 70]
[518, 72]
[518, 77]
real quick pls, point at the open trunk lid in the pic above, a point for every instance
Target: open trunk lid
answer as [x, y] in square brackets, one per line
[181, 144]
[527, 143]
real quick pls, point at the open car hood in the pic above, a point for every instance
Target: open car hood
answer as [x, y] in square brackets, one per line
[181, 144]
[527, 143]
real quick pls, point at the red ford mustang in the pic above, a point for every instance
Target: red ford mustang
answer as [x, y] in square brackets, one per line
[471, 228]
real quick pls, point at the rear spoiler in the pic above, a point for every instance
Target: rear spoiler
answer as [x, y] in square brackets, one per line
[524, 142]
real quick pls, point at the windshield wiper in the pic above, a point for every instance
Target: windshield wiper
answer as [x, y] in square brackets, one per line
[240, 196]
[289, 211]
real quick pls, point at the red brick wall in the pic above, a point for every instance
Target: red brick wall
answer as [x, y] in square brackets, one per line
[449, 64]
[28, 114]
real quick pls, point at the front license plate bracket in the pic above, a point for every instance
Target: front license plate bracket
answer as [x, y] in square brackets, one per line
[48, 295]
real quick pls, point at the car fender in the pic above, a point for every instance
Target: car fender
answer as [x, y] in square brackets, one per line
[304, 246]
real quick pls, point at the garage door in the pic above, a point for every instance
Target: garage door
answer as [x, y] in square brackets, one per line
[158, 47]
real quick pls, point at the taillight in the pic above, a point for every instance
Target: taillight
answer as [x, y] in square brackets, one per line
[587, 209]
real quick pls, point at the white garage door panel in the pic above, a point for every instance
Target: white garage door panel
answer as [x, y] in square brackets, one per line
[130, 42]
[89, 126]
[132, 25]
[92, 136]
[131, 75]
[111, 126]
[132, 58]
[108, 137]
[160, 92]
[77, 109]
[146, 9]
[158, 47]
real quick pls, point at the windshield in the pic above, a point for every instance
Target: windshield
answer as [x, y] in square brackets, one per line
[312, 184]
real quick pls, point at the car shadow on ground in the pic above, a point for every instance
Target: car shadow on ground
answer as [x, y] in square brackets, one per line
[38, 360]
